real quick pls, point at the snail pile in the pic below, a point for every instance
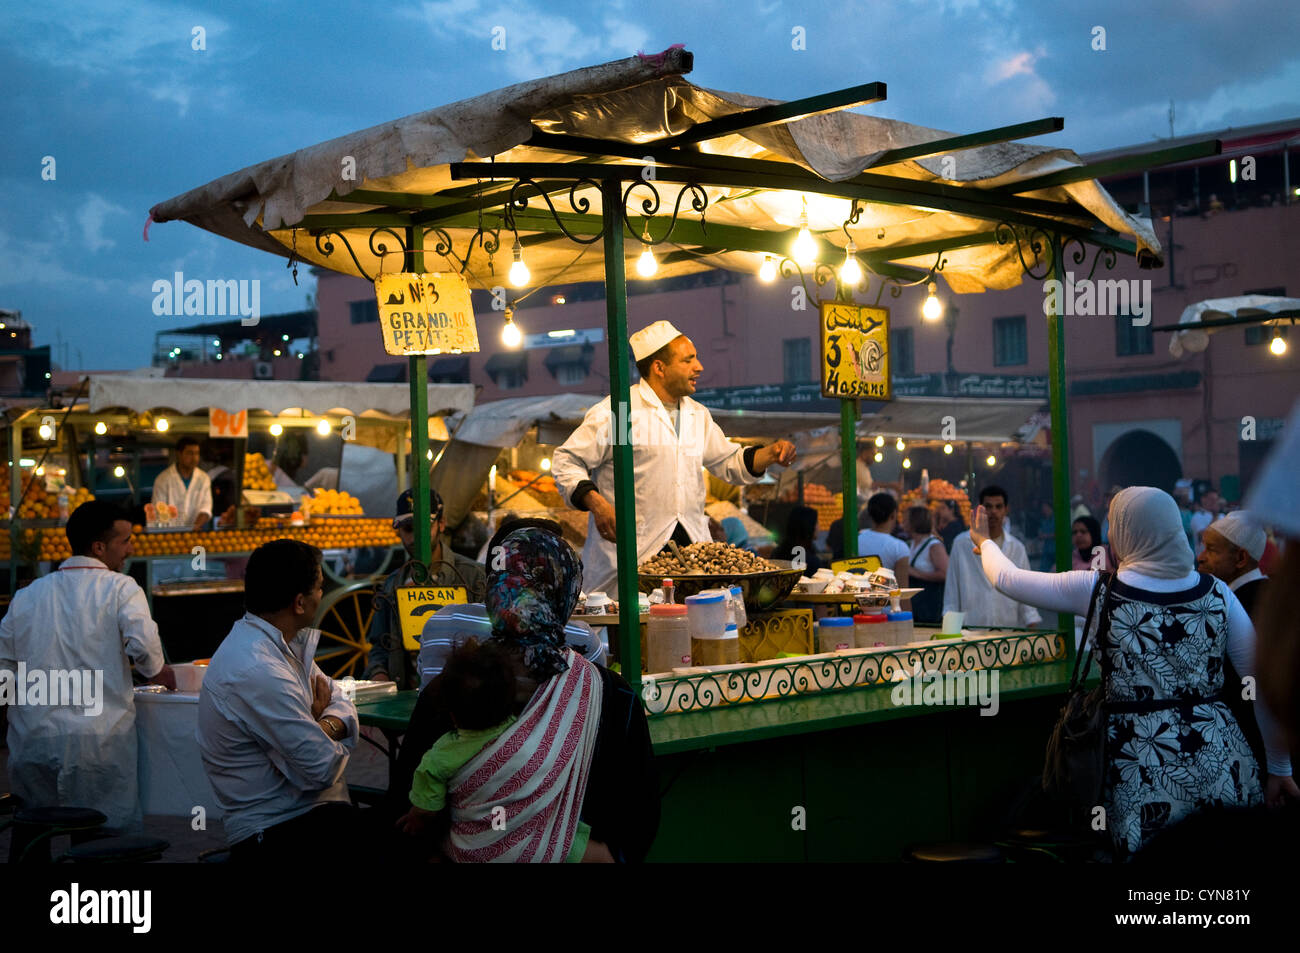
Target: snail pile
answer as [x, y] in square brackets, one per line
[713, 559]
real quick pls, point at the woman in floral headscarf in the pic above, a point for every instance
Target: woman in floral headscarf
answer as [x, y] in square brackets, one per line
[579, 749]
[1160, 632]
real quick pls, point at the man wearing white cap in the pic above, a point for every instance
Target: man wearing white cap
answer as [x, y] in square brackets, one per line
[1233, 547]
[674, 439]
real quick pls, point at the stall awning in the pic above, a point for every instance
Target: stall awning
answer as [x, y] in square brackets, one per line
[192, 395]
[517, 361]
[974, 419]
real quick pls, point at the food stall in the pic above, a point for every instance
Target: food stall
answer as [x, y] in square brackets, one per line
[61, 456]
[771, 759]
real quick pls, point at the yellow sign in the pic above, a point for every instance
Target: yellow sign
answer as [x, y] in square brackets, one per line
[855, 351]
[865, 563]
[426, 314]
[416, 603]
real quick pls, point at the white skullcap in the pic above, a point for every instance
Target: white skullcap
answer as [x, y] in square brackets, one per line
[650, 339]
[1243, 532]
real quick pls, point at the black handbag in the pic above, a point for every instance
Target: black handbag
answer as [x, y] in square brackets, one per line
[1075, 761]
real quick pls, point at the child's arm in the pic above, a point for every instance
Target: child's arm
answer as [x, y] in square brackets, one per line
[416, 821]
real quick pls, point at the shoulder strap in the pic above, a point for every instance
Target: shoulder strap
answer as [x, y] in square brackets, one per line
[1102, 586]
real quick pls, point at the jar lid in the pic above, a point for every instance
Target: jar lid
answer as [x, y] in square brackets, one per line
[835, 621]
[662, 610]
[870, 619]
[702, 599]
[900, 617]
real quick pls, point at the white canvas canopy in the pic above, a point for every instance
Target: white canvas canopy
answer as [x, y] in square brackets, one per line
[642, 100]
[1194, 339]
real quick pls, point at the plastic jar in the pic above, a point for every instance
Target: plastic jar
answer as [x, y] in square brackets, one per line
[870, 630]
[667, 639]
[834, 633]
[707, 612]
[738, 603]
[720, 651]
[901, 625]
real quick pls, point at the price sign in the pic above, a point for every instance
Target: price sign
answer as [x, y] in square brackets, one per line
[416, 603]
[425, 314]
[858, 563]
[855, 351]
[227, 423]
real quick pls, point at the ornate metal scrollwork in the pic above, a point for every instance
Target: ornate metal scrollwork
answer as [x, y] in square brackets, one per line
[896, 285]
[1036, 240]
[821, 274]
[325, 246]
[580, 205]
[650, 206]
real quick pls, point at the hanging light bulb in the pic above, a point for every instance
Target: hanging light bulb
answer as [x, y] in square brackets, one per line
[992, 460]
[276, 430]
[880, 440]
[101, 428]
[323, 427]
[118, 472]
[767, 271]
[899, 445]
[947, 448]
[879, 456]
[46, 431]
[162, 425]
[429, 455]
[932, 310]
[510, 334]
[546, 463]
[804, 251]
[907, 463]
[1278, 344]
[518, 270]
[851, 271]
[646, 266]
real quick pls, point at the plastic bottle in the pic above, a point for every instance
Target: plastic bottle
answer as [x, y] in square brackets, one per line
[64, 503]
[925, 482]
[668, 592]
[668, 639]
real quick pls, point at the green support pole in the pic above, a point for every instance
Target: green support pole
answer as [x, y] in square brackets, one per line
[1060, 439]
[418, 372]
[629, 630]
[849, 475]
[15, 491]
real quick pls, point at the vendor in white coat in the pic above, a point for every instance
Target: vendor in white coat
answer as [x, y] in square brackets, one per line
[186, 487]
[673, 440]
[74, 634]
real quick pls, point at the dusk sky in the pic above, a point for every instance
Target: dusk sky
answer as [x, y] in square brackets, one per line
[132, 114]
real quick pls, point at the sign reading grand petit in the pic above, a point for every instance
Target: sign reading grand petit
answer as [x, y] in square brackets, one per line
[855, 351]
[426, 314]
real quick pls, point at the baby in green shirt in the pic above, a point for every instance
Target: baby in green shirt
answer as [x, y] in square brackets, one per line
[478, 690]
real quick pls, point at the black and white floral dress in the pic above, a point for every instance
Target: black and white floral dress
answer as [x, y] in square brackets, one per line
[1172, 749]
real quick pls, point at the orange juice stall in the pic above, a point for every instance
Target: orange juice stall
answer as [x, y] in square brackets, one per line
[320, 462]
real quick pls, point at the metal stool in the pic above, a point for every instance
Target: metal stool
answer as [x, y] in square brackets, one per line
[117, 850]
[34, 827]
[954, 852]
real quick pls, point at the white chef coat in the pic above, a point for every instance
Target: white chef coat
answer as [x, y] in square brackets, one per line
[967, 590]
[265, 756]
[191, 500]
[84, 617]
[667, 472]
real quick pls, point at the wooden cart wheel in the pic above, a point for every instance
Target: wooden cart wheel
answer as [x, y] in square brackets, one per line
[344, 619]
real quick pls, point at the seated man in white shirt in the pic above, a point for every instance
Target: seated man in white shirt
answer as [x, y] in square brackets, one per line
[274, 732]
[878, 541]
[452, 626]
[966, 588]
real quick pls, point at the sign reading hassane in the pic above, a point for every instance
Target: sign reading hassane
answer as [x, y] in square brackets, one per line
[416, 603]
[425, 314]
[855, 351]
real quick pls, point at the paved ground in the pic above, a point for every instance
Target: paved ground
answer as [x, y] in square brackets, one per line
[367, 766]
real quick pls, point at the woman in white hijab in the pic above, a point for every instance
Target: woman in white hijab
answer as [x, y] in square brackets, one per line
[1173, 747]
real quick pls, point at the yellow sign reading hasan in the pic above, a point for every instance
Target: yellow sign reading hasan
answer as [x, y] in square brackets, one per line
[426, 314]
[416, 603]
[855, 351]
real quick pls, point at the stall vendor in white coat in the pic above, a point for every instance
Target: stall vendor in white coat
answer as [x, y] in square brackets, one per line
[673, 440]
[185, 486]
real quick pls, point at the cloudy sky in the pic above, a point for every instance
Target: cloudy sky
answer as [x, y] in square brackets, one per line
[133, 114]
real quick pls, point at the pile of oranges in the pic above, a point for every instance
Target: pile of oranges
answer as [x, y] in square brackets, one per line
[940, 489]
[334, 503]
[829, 506]
[257, 475]
[38, 504]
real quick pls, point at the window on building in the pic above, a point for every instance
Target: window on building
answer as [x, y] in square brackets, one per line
[1130, 338]
[1257, 334]
[798, 360]
[1010, 344]
[570, 374]
[364, 312]
[902, 359]
[510, 380]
